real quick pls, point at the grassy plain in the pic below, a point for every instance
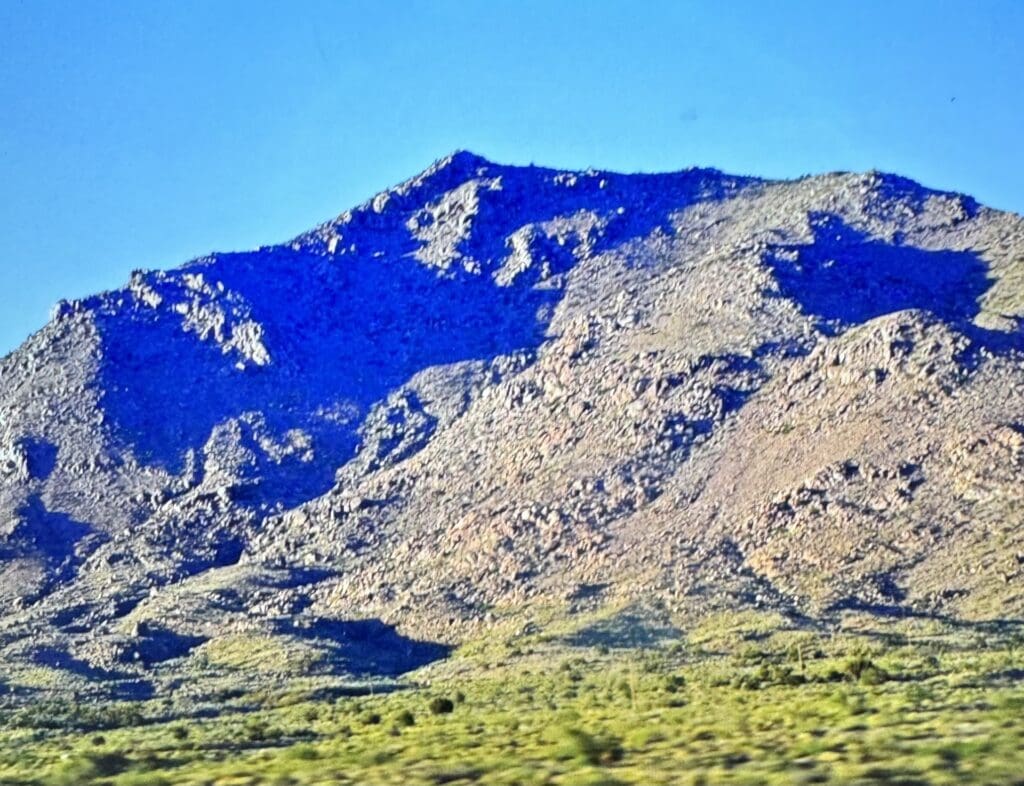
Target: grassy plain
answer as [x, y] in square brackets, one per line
[740, 699]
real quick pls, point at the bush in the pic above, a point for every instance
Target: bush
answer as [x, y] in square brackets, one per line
[405, 718]
[589, 748]
[674, 682]
[89, 767]
[767, 676]
[302, 753]
[874, 675]
[259, 731]
[441, 705]
[371, 718]
[862, 669]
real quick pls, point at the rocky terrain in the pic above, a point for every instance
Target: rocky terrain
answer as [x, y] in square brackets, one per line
[495, 390]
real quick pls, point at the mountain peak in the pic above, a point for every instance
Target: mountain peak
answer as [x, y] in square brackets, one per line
[465, 159]
[447, 172]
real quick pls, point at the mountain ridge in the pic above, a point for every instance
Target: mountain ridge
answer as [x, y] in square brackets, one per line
[494, 389]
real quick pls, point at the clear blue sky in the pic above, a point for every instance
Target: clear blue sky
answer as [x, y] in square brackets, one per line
[141, 134]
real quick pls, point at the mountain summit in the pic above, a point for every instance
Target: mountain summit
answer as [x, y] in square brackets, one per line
[496, 390]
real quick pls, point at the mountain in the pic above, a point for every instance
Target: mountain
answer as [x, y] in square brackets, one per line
[498, 393]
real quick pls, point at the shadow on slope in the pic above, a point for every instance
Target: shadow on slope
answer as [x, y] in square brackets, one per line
[51, 536]
[343, 330]
[55, 658]
[371, 647]
[844, 277]
[636, 627]
[40, 457]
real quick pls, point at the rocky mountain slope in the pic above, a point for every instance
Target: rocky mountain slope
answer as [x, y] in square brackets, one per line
[492, 390]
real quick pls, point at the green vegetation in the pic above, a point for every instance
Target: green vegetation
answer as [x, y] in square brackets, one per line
[269, 654]
[739, 699]
[441, 706]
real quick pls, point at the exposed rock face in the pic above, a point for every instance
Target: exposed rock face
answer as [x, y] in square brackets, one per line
[493, 386]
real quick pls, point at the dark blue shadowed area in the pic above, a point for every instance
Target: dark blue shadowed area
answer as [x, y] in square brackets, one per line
[345, 330]
[845, 277]
[369, 646]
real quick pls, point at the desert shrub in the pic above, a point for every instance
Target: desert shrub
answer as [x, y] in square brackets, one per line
[61, 714]
[257, 730]
[405, 718]
[593, 749]
[767, 676]
[874, 675]
[734, 759]
[751, 655]
[441, 705]
[109, 717]
[895, 639]
[89, 767]
[784, 675]
[917, 695]
[673, 682]
[302, 753]
[179, 732]
[862, 669]
[856, 666]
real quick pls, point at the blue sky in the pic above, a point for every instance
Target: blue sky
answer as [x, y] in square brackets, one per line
[143, 134]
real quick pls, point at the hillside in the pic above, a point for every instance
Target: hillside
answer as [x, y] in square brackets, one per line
[496, 396]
